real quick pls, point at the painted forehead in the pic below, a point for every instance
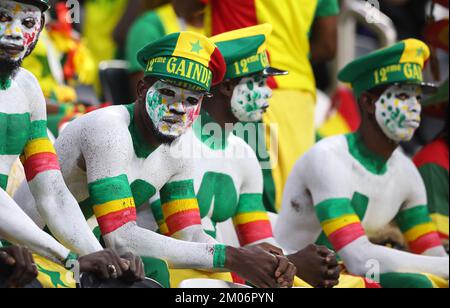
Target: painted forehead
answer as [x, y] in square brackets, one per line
[165, 85]
[17, 8]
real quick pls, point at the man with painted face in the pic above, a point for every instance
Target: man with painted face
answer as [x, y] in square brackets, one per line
[349, 187]
[119, 157]
[228, 180]
[24, 131]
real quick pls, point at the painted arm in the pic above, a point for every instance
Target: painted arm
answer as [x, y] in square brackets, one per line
[251, 220]
[54, 201]
[415, 222]
[18, 228]
[108, 151]
[342, 225]
[324, 31]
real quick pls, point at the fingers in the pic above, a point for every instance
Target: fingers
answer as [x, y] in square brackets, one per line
[24, 270]
[140, 269]
[283, 264]
[19, 268]
[287, 279]
[115, 266]
[6, 259]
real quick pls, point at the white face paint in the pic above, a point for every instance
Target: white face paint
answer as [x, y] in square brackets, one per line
[250, 99]
[172, 110]
[19, 28]
[398, 111]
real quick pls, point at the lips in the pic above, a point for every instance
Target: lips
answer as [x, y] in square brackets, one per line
[172, 120]
[12, 50]
[413, 123]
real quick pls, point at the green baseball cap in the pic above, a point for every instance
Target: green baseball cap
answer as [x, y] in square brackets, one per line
[186, 59]
[245, 52]
[401, 63]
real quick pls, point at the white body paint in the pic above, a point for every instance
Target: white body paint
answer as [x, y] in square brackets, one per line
[55, 204]
[237, 160]
[102, 142]
[329, 171]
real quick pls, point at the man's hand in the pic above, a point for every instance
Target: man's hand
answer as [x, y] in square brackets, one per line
[317, 266]
[135, 272]
[262, 269]
[286, 271]
[105, 264]
[19, 264]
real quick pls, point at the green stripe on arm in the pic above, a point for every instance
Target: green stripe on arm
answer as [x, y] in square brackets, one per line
[249, 203]
[3, 181]
[177, 191]
[39, 129]
[408, 219]
[109, 189]
[333, 208]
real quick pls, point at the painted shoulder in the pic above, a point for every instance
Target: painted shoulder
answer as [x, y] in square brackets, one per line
[27, 81]
[329, 148]
[406, 168]
[241, 147]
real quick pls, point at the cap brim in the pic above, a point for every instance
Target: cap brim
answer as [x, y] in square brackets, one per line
[174, 83]
[271, 71]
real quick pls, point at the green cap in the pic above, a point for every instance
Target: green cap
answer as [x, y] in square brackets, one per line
[245, 51]
[187, 59]
[44, 5]
[401, 63]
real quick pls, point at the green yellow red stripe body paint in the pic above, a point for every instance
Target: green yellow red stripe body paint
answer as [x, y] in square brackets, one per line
[419, 231]
[113, 203]
[179, 206]
[251, 220]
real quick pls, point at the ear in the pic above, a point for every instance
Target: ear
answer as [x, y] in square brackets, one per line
[42, 22]
[227, 88]
[142, 88]
[367, 101]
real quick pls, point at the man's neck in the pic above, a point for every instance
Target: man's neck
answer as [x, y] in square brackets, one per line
[375, 140]
[218, 109]
[5, 82]
[145, 126]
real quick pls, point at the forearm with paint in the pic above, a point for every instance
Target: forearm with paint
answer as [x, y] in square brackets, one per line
[344, 230]
[18, 228]
[420, 232]
[252, 222]
[116, 214]
[55, 204]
